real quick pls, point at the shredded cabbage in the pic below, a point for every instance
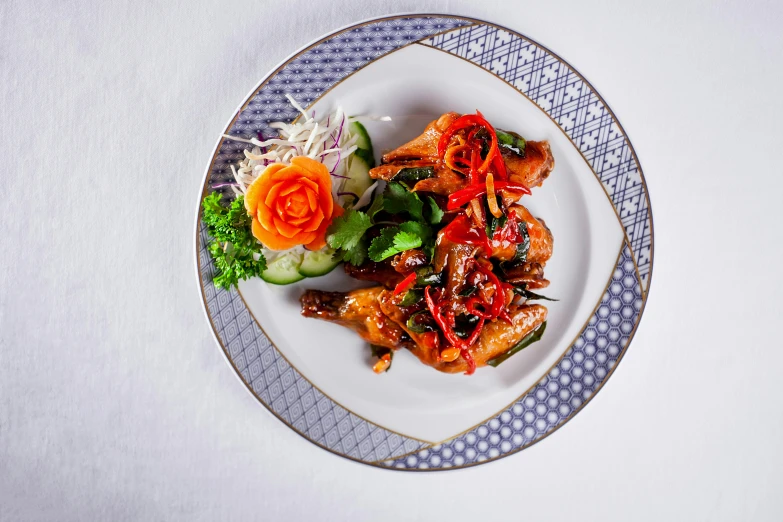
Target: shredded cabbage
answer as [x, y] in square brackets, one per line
[328, 141]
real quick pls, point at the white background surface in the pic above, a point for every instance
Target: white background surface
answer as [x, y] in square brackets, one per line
[116, 403]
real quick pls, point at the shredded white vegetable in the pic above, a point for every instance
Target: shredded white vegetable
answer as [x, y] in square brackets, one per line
[328, 141]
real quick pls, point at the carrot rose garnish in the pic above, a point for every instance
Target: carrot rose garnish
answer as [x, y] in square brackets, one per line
[292, 205]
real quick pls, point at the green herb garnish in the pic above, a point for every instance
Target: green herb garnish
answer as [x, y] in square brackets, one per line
[411, 297]
[530, 296]
[396, 239]
[346, 236]
[511, 141]
[397, 200]
[350, 234]
[520, 256]
[436, 213]
[494, 224]
[237, 253]
[526, 341]
[412, 175]
[420, 322]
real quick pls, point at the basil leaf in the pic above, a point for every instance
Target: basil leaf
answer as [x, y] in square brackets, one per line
[493, 223]
[425, 276]
[467, 291]
[409, 176]
[411, 297]
[464, 325]
[511, 141]
[420, 322]
[526, 341]
[522, 248]
[530, 296]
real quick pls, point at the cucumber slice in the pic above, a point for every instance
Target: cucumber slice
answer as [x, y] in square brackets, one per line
[318, 263]
[363, 143]
[359, 177]
[283, 271]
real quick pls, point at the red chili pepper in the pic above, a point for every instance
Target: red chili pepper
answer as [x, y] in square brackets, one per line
[476, 332]
[500, 167]
[450, 335]
[474, 166]
[510, 231]
[405, 284]
[499, 297]
[448, 332]
[462, 196]
[504, 315]
[465, 353]
[465, 121]
[470, 306]
[461, 231]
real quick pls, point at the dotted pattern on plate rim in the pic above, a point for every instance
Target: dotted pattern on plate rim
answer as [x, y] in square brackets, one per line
[564, 389]
[560, 92]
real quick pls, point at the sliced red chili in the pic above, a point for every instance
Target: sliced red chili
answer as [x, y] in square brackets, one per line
[435, 310]
[499, 297]
[483, 312]
[461, 231]
[405, 284]
[463, 122]
[461, 197]
[470, 341]
[465, 353]
[500, 167]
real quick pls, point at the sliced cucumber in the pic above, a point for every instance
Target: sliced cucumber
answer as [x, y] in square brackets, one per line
[363, 143]
[283, 271]
[358, 176]
[318, 263]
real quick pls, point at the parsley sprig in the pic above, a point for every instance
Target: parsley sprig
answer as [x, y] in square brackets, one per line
[236, 251]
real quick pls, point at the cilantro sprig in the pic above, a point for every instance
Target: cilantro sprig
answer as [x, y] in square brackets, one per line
[236, 251]
[351, 237]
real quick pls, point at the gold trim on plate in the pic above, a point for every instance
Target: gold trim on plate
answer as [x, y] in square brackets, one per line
[625, 243]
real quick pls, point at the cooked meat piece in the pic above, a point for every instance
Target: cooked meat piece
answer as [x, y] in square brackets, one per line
[541, 239]
[531, 169]
[383, 273]
[386, 171]
[426, 145]
[400, 317]
[452, 257]
[530, 274]
[496, 338]
[409, 261]
[358, 310]
[534, 167]
[444, 182]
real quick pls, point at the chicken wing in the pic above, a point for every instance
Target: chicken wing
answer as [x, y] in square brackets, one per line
[358, 310]
[531, 169]
[496, 338]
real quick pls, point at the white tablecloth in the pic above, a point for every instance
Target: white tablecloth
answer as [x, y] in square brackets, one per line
[116, 403]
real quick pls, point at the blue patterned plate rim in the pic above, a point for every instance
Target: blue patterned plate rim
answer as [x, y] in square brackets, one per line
[516, 427]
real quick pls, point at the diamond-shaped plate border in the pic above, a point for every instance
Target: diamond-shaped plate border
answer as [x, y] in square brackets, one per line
[573, 104]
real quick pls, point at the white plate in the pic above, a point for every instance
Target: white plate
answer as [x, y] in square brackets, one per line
[315, 376]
